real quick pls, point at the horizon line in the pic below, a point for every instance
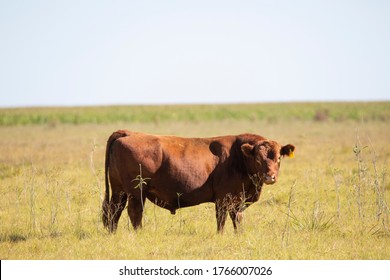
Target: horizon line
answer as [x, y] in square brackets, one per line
[37, 106]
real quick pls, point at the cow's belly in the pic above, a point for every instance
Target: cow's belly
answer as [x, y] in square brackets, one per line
[180, 189]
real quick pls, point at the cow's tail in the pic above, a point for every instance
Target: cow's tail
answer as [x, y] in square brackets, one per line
[106, 204]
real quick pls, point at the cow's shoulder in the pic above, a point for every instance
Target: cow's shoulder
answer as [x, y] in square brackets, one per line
[221, 146]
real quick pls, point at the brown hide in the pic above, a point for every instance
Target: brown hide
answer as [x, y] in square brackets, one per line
[180, 172]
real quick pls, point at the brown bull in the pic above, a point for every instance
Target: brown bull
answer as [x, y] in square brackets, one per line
[175, 172]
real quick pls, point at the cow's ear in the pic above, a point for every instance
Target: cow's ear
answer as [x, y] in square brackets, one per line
[287, 150]
[247, 149]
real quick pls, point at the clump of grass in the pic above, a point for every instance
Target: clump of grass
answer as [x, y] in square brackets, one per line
[13, 237]
[316, 220]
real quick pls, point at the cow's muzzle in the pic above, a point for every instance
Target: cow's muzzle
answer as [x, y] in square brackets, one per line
[269, 179]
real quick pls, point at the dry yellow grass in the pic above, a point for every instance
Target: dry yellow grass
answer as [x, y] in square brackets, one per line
[332, 202]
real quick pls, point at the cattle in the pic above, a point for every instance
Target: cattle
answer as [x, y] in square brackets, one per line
[176, 172]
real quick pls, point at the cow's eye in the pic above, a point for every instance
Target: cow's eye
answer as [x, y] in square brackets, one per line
[271, 155]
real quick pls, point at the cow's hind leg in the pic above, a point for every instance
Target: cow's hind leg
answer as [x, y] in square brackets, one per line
[117, 204]
[135, 209]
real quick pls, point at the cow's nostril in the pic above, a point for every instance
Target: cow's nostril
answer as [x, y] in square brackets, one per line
[270, 179]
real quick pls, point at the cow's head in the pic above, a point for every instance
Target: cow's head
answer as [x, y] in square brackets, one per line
[263, 158]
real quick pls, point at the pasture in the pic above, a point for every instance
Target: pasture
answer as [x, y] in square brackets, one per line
[331, 201]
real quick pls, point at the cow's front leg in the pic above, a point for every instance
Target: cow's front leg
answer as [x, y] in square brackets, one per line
[221, 213]
[237, 217]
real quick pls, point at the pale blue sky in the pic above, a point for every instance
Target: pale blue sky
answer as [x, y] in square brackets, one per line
[152, 52]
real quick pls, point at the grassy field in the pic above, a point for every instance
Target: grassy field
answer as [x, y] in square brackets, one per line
[331, 202]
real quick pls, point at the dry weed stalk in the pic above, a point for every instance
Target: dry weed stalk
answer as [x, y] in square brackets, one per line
[286, 231]
[367, 182]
